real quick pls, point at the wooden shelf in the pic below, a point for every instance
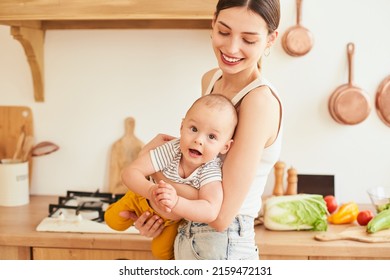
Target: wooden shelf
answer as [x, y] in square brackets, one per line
[29, 21]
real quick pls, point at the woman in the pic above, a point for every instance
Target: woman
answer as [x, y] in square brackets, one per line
[242, 32]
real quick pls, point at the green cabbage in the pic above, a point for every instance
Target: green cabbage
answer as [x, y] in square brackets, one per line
[296, 212]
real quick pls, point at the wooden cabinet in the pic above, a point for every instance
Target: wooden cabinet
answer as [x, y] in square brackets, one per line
[89, 254]
[15, 253]
[41, 253]
[29, 21]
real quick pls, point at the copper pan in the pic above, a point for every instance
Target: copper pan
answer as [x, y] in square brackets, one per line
[297, 40]
[382, 101]
[349, 104]
[331, 103]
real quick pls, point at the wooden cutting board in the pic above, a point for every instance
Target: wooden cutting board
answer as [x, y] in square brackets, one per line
[356, 234]
[14, 119]
[123, 152]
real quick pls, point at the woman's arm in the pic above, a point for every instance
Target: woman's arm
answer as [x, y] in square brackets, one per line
[159, 140]
[257, 128]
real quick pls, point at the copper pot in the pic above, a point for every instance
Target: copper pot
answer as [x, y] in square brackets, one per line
[382, 101]
[349, 104]
[297, 40]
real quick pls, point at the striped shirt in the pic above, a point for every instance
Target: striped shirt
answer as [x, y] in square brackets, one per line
[166, 158]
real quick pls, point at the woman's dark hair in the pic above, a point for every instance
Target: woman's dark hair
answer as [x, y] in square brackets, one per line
[269, 10]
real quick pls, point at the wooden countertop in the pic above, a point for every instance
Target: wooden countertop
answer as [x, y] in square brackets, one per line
[17, 228]
[293, 244]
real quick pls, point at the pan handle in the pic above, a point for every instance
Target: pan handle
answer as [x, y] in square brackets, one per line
[299, 10]
[350, 52]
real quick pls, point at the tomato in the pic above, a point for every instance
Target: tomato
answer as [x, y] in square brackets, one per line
[331, 203]
[364, 217]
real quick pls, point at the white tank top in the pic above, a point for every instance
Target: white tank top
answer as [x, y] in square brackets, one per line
[270, 156]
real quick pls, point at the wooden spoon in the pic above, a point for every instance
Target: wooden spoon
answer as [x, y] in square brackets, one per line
[27, 147]
[44, 148]
[19, 145]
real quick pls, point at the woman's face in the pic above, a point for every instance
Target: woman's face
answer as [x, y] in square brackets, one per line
[239, 38]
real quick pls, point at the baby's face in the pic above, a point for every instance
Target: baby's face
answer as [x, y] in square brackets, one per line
[205, 133]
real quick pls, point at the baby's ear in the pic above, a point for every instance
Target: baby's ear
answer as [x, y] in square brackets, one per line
[226, 147]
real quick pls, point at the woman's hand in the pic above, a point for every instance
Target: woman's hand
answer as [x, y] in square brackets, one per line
[159, 140]
[147, 226]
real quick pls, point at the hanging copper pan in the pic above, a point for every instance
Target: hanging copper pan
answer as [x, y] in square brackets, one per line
[297, 40]
[331, 103]
[349, 104]
[382, 101]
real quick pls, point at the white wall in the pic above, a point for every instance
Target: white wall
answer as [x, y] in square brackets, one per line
[94, 79]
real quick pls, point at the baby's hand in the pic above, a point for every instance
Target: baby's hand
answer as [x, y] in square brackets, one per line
[166, 196]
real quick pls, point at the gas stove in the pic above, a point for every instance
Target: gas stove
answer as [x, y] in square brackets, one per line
[81, 212]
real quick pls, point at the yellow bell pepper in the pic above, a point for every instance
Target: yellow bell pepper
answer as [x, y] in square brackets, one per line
[346, 214]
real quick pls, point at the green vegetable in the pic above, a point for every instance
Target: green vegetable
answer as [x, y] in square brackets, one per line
[296, 212]
[382, 207]
[379, 222]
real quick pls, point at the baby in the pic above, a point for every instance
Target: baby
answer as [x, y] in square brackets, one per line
[192, 161]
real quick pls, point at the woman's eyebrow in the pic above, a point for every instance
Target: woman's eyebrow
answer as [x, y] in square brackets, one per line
[227, 26]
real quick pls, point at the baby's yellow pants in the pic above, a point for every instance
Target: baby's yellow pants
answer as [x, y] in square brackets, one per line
[162, 245]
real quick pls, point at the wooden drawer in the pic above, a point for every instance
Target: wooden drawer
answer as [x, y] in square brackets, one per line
[88, 254]
[15, 253]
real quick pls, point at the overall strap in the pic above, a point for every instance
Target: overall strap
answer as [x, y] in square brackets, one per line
[239, 96]
[215, 78]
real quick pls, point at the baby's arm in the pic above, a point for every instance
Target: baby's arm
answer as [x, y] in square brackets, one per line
[134, 176]
[204, 209]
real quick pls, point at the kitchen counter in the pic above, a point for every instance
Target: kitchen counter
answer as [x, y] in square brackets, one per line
[20, 240]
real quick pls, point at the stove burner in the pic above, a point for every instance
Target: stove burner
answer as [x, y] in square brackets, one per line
[93, 204]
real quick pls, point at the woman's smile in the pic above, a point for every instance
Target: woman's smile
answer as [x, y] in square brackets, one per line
[230, 60]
